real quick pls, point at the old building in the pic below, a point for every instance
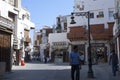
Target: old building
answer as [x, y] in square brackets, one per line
[116, 39]
[101, 23]
[58, 47]
[41, 45]
[58, 41]
[12, 28]
[8, 17]
[23, 34]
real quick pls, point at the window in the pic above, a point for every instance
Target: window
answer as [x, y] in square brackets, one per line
[23, 16]
[11, 16]
[111, 15]
[91, 15]
[80, 7]
[13, 2]
[27, 16]
[100, 14]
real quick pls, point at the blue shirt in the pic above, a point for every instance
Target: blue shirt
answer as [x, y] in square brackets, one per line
[74, 58]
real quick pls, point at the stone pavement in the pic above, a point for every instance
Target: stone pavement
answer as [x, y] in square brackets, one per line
[101, 71]
[41, 71]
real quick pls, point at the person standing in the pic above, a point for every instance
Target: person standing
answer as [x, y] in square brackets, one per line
[82, 58]
[114, 62]
[75, 63]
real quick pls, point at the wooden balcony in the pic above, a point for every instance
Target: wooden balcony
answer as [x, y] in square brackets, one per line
[27, 39]
[98, 32]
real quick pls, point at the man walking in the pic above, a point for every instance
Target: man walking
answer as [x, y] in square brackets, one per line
[114, 62]
[75, 63]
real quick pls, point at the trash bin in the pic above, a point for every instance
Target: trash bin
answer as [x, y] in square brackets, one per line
[2, 69]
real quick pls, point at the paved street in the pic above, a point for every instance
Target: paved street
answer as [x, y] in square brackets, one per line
[41, 71]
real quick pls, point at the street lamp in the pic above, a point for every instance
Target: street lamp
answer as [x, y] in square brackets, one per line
[90, 71]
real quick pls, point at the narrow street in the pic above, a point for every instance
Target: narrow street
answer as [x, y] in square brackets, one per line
[41, 71]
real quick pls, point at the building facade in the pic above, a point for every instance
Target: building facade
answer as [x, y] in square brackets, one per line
[41, 45]
[23, 34]
[8, 14]
[11, 30]
[58, 42]
[101, 27]
[116, 39]
[58, 49]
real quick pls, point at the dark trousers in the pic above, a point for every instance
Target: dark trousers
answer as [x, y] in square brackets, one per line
[75, 72]
[114, 69]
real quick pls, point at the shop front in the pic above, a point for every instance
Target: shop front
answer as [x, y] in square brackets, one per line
[6, 32]
[99, 53]
[59, 52]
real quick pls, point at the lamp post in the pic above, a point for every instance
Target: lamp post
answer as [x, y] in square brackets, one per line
[90, 71]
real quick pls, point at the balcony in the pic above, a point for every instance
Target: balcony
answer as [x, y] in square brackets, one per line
[6, 23]
[27, 39]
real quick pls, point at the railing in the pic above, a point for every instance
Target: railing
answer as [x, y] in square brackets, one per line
[6, 23]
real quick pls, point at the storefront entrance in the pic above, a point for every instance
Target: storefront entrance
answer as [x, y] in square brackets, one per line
[99, 53]
[60, 56]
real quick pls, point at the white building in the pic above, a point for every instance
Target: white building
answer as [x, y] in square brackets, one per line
[41, 41]
[101, 24]
[61, 23]
[101, 12]
[12, 29]
[58, 46]
[8, 15]
[116, 39]
[58, 42]
[37, 42]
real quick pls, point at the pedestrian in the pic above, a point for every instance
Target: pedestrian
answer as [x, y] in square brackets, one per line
[75, 63]
[14, 58]
[109, 58]
[114, 62]
[82, 58]
[45, 59]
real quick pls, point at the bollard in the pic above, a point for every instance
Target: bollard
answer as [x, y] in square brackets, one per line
[22, 62]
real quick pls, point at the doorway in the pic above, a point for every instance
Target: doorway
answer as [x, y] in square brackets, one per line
[5, 49]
